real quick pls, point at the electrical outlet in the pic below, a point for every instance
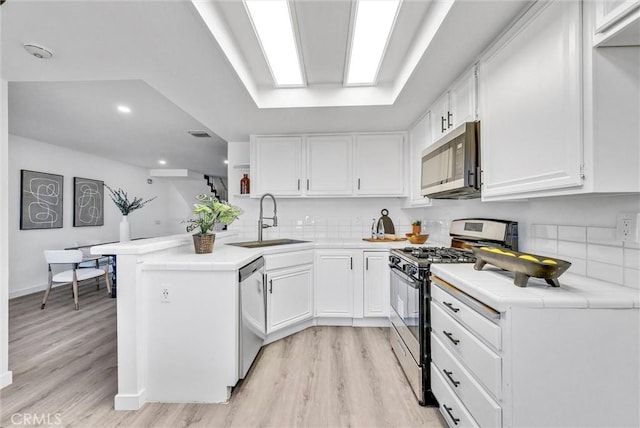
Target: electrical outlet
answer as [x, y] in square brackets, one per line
[627, 227]
[165, 293]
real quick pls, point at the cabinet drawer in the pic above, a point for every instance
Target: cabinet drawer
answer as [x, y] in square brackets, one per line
[484, 328]
[452, 409]
[289, 259]
[483, 363]
[481, 406]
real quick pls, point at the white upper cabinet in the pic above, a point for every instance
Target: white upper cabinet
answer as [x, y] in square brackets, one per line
[531, 104]
[457, 105]
[329, 165]
[379, 164]
[419, 138]
[617, 22]
[276, 162]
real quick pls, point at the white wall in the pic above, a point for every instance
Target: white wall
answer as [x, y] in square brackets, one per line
[28, 272]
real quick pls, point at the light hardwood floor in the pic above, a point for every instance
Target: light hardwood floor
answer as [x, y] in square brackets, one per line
[64, 367]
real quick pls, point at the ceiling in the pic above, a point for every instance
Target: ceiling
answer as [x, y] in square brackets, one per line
[162, 59]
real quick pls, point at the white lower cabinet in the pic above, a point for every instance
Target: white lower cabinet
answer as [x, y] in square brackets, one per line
[334, 283]
[376, 284]
[289, 289]
[560, 365]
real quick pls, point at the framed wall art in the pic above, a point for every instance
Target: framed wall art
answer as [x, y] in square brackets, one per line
[40, 200]
[88, 202]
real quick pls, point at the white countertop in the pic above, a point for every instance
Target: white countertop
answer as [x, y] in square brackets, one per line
[495, 288]
[176, 252]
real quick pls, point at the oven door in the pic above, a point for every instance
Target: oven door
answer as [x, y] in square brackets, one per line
[405, 310]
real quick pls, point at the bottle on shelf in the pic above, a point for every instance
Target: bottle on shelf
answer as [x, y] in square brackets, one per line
[245, 185]
[374, 233]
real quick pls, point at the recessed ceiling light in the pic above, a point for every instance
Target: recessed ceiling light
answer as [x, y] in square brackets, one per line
[162, 162]
[273, 24]
[374, 20]
[124, 109]
[226, 161]
[39, 52]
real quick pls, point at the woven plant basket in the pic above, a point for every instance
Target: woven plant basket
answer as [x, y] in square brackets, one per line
[203, 243]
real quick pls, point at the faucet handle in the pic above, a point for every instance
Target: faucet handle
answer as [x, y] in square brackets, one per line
[265, 226]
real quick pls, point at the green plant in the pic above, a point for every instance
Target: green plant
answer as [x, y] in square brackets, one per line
[211, 211]
[121, 199]
[416, 223]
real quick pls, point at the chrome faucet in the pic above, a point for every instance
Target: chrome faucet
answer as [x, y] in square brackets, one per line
[261, 224]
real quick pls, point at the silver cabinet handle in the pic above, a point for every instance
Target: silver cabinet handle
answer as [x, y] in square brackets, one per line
[298, 184]
[307, 184]
[358, 184]
[449, 121]
[271, 286]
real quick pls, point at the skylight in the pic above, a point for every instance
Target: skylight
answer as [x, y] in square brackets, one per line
[272, 22]
[372, 28]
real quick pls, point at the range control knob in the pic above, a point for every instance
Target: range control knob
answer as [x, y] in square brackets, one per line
[412, 270]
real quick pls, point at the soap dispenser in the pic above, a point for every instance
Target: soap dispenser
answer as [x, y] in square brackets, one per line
[374, 232]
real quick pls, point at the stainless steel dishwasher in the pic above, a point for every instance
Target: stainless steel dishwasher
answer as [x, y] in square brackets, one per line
[253, 321]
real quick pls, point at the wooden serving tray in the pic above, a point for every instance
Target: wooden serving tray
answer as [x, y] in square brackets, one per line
[524, 269]
[384, 240]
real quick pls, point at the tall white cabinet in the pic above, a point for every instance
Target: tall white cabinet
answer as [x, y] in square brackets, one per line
[531, 104]
[559, 115]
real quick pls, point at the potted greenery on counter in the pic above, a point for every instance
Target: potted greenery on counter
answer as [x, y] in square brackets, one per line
[210, 211]
[126, 206]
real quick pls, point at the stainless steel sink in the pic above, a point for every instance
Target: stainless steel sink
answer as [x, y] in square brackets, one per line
[269, 243]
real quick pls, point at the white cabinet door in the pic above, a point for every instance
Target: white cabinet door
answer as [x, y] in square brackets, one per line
[289, 297]
[608, 12]
[334, 283]
[462, 100]
[531, 115]
[439, 116]
[376, 284]
[329, 165]
[419, 138]
[379, 164]
[276, 162]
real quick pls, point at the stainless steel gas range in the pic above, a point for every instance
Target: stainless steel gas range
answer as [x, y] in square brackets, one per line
[411, 291]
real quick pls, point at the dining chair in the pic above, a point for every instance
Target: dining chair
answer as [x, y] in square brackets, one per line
[90, 260]
[74, 275]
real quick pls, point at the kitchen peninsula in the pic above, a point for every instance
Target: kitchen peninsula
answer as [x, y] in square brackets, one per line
[178, 312]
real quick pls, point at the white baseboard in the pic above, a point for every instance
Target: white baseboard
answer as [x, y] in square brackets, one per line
[129, 401]
[24, 291]
[6, 379]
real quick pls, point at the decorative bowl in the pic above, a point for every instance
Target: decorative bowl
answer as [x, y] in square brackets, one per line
[418, 239]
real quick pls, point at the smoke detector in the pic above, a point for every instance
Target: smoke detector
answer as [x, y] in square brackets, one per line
[38, 51]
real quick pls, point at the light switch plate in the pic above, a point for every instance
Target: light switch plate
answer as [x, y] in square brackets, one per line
[627, 227]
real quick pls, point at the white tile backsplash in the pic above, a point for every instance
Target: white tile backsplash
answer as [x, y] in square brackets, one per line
[578, 267]
[604, 253]
[632, 278]
[572, 233]
[572, 250]
[605, 272]
[602, 235]
[631, 258]
[545, 247]
[546, 231]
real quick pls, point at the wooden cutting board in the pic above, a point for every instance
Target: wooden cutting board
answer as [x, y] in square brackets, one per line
[384, 240]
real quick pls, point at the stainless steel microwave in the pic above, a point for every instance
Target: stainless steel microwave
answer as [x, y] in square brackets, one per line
[451, 165]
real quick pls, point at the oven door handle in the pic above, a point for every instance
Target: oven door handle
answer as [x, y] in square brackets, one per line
[414, 283]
